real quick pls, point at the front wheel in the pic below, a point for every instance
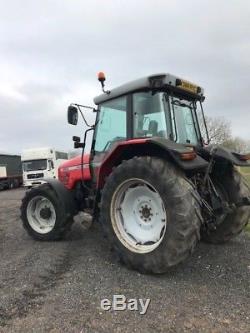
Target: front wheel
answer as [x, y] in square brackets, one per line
[150, 214]
[42, 214]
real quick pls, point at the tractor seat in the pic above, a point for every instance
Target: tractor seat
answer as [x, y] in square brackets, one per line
[151, 131]
[162, 134]
[153, 127]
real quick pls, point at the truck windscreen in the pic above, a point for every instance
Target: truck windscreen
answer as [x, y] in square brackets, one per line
[34, 165]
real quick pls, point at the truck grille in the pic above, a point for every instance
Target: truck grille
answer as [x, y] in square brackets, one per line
[35, 175]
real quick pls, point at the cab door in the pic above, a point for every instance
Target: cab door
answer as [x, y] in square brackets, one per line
[111, 128]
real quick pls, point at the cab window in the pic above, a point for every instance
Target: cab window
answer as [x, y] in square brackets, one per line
[112, 124]
[149, 115]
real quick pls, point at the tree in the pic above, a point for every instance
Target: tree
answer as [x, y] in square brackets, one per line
[219, 130]
[237, 144]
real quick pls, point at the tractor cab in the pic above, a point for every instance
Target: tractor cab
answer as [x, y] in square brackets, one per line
[158, 110]
[161, 106]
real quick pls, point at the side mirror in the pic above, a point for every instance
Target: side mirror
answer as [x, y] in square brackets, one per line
[72, 115]
[51, 165]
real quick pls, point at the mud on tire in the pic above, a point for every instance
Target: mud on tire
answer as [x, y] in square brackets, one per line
[181, 207]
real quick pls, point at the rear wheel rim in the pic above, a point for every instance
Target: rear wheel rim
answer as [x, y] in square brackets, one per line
[41, 214]
[138, 215]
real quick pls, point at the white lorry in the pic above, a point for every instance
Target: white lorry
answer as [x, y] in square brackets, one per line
[39, 164]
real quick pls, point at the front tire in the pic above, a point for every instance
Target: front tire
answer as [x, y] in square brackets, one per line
[42, 214]
[150, 214]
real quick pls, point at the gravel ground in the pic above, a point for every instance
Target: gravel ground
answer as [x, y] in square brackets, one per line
[57, 287]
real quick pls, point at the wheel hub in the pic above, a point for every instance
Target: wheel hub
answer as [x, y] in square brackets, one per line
[41, 214]
[145, 212]
[45, 213]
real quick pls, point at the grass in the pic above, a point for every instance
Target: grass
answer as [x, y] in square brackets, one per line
[248, 228]
[247, 178]
[245, 171]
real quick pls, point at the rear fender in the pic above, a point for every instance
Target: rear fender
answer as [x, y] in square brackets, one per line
[224, 155]
[148, 147]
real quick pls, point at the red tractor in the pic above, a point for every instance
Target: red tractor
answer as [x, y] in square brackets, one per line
[150, 179]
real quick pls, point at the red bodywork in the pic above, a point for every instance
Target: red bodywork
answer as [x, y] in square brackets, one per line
[115, 154]
[70, 172]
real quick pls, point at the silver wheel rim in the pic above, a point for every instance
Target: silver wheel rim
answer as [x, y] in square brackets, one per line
[41, 214]
[138, 216]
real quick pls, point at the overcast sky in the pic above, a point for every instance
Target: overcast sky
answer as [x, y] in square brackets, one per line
[51, 51]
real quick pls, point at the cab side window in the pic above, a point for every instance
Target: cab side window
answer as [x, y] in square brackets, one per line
[149, 115]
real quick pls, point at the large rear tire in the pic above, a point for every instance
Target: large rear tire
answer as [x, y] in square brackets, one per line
[42, 214]
[236, 189]
[150, 214]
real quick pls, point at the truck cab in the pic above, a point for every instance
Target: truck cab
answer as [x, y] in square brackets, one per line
[39, 164]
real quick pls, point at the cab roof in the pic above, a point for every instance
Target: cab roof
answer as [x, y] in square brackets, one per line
[162, 81]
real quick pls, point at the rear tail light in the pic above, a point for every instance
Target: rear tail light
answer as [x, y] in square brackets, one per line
[245, 157]
[188, 156]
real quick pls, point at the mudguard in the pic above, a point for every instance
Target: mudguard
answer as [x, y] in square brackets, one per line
[175, 150]
[148, 146]
[65, 196]
[222, 154]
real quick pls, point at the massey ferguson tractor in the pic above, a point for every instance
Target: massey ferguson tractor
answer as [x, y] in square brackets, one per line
[150, 179]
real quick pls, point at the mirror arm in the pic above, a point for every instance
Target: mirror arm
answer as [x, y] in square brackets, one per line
[84, 106]
[79, 106]
[78, 145]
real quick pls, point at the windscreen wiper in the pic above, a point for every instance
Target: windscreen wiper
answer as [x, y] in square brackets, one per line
[181, 104]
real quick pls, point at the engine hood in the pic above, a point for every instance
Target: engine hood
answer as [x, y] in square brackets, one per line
[75, 161]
